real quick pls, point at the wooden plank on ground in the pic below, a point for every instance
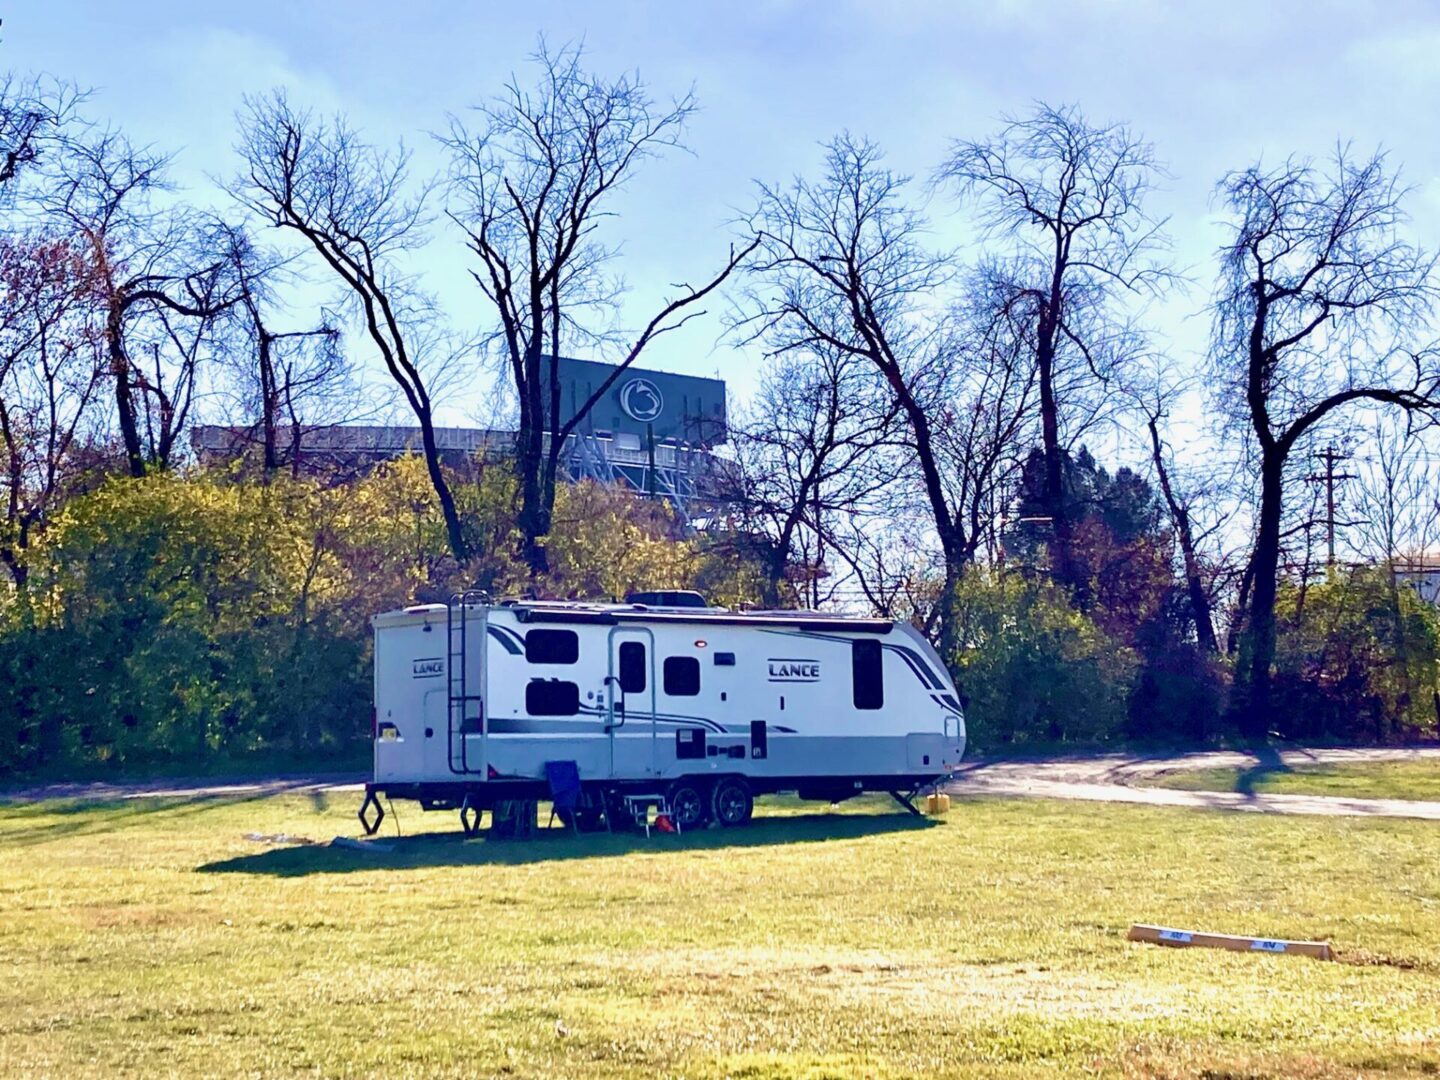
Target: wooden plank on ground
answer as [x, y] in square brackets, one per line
[1182, 939]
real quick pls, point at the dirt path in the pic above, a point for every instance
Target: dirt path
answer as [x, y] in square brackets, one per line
[1102, 778]
[1111, 778]
[206, 788]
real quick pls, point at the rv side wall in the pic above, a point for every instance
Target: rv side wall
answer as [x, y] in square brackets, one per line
[643, 701]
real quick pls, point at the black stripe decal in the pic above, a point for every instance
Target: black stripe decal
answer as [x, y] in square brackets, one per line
[660, 718]
[510, 646]
[918, 674]
[927, 677]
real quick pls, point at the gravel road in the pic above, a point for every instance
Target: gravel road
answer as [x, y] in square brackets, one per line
[1100, 778]
[1113, 778]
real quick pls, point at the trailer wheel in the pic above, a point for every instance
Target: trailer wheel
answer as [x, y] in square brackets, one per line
[687, 804]
[732, 804]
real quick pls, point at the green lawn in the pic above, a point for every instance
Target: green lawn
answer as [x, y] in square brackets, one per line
[154, 938]
[1367, 780]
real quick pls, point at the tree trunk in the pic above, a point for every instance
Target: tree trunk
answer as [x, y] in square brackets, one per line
[1254, 689]
[1199, 599]
[1064, 570]
[269, 404]
[124, 401]
[454, 530]
[949, 638]
[529, 463]
[533, 520]
[775, 560]
[1402, 650]
[19, 572]
[1242, 605]
[1194, 583]
[13, 556]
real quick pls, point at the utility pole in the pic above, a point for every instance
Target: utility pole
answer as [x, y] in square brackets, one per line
[1331, 457]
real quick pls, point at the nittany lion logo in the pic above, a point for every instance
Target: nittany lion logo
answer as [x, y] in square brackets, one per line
[641, 400]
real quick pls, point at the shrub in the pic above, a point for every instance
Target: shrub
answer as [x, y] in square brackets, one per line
[174, 620]
[1357, 661]
[193, 621]
[1034, 670]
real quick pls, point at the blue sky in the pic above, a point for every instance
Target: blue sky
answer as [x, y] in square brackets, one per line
[1214, 85]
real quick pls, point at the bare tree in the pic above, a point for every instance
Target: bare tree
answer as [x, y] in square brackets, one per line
[51, 373]
[162, 280]
[888, 564]
[816, 419]
[1321, 304]
[1154, 398]
[1070, 195]
[843, 268]
[176, 350]
[23, 118]
[33, 117]
[1396, 497]
[1398, 507]
[530, 188]
[984, 402]
[289, 376]
[354, 204]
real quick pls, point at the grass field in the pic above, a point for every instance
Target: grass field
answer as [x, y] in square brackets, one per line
[1361, 780]
[153, 938]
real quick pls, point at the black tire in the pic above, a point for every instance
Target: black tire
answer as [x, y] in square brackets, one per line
[731, 803]
[689, 808]
[592, 819]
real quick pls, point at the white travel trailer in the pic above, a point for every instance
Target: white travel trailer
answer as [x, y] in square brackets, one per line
[478, 705]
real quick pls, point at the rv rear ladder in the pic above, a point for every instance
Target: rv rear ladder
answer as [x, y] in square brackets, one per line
[466, 709]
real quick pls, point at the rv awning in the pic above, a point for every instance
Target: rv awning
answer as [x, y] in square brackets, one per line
[705, 618]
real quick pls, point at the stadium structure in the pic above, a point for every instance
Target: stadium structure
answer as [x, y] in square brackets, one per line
[652, 431]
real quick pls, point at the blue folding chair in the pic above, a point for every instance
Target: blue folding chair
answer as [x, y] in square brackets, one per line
[564, 778]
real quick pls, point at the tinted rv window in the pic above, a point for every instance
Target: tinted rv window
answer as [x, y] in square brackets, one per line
[552, 647]
[551, 697]
[632, 667]
[682, 676]
[868, 674]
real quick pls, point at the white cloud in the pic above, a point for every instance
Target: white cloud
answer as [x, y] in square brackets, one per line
[206, 71]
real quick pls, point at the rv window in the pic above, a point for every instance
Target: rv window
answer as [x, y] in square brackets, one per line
[551, 697]
[552, 647]
[682, 676]
[868, 674]
[632, 667]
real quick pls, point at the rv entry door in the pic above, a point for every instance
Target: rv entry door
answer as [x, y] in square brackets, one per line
[630, 701]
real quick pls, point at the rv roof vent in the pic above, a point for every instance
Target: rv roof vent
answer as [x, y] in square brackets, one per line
[683, 598]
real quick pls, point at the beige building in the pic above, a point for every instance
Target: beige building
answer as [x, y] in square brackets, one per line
[1422, 573]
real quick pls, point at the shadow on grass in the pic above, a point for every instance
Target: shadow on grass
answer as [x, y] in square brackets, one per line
[451, 849]
[31, 823]
[1267, 761]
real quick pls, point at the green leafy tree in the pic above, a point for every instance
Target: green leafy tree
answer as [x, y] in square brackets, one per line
[1035, 670]
[1360, 662]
